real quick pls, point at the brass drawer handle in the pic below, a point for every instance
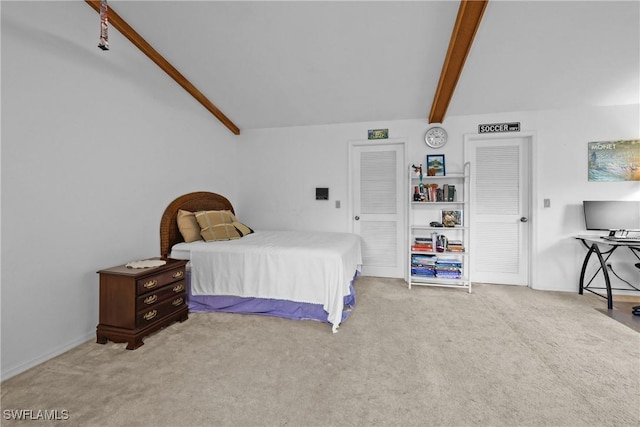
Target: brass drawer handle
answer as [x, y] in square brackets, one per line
[151, 299]
[178, 288]
[150, 315]
[177, 302]
[178, 274]
[151, 284]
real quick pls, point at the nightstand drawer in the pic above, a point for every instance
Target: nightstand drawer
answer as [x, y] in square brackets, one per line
[151, 298]
[154, 282]
[151, 314]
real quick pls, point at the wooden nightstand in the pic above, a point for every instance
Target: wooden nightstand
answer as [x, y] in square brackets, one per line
[136, 302]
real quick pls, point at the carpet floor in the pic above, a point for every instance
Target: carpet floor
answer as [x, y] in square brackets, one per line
[500, 356]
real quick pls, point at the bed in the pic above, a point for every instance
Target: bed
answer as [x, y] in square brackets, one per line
[290, 274]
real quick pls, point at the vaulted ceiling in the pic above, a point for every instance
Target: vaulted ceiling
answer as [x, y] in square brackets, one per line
[299, 63]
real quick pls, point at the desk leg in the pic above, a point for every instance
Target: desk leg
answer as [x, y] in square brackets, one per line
[605, 271]
[584, 268]
[594, 249]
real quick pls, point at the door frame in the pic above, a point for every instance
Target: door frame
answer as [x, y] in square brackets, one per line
[402, 175]
[532, 157]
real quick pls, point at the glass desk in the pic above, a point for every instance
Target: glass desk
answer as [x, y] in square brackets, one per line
[592, 243]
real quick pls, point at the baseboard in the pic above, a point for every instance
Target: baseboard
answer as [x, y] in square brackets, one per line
[626, 298]
[15, 370]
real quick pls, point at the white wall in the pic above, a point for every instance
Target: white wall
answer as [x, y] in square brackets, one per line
[283, 167]
[562, 172]
[94, 146]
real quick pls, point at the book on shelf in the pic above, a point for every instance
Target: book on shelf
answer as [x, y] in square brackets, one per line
[448, 268]
[423, 271]
[433, 193]
[455, 246]
[420, 260]
[451, 193]
[428, 244]
[426, 247]
[449, 261]
[441, 275]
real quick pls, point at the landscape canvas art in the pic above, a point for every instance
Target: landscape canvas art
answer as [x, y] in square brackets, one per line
[614, 160]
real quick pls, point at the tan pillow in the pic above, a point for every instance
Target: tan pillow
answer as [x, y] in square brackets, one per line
[188, 226]
[243, 229]
[205, 218]
[232, 216]
[216, 225]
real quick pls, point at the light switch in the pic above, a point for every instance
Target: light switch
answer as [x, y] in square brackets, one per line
[547, 203]
[337, 204]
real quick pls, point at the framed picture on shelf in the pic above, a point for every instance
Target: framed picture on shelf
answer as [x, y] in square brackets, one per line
[452, 217]
[435, 165]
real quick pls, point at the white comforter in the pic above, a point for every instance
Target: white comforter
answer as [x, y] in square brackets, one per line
[313, 267]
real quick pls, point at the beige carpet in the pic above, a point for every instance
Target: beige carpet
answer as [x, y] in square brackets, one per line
[501, 356]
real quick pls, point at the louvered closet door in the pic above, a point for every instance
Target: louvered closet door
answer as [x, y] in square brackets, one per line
[500, 212]
[378, 207]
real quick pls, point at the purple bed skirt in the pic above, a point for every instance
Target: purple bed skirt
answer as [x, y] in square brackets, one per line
[265, 306]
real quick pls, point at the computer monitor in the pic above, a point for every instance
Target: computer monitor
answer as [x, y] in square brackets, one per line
[612, 215]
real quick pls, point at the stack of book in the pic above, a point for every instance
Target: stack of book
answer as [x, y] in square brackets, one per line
[455, 246]
[423, 265]
[448, 268]
[423, 244]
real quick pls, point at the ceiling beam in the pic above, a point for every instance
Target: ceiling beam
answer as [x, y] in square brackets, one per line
[135, 38]
[469, 16]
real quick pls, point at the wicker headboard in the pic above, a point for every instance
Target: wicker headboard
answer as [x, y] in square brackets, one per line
[193, 202]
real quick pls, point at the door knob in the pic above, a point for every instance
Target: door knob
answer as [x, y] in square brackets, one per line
[524, 219]
[357, 218]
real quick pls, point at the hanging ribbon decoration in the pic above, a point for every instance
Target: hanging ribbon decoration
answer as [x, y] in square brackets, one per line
[104, 26]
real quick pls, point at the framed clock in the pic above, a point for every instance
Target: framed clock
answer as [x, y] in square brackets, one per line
[435, 137]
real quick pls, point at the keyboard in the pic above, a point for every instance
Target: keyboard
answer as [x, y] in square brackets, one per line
[634, 239]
